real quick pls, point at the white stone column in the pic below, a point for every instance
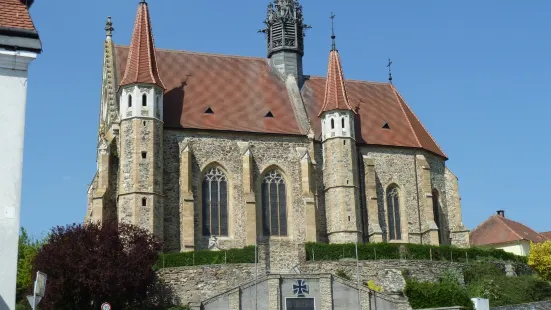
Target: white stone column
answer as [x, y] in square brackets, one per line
[13, 99]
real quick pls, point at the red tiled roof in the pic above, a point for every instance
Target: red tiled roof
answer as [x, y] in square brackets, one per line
[14, 14]
[546, 234]
[239, 90]
[142, 64]
[498, 229]
[242, 90]
[336, 97]
[378, 104]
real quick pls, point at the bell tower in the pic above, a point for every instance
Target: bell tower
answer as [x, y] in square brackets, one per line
[285, 37]
[140, 199]
[340, 167]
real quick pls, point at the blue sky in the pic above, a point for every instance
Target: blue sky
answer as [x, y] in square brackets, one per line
[477, 74]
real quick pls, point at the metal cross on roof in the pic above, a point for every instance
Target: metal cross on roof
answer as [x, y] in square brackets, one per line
[389, 72]
[334, 45]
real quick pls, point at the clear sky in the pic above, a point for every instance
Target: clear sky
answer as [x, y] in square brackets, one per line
[477, 74]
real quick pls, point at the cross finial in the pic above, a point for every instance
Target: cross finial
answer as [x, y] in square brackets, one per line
[334, 45]
[389, 72]
[109, 27]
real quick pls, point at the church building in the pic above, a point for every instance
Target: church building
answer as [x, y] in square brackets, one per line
[193, 146]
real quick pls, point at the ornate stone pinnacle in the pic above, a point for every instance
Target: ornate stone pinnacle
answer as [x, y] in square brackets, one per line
[109, 27]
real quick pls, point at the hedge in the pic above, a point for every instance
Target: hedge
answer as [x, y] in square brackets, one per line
[232, 256]
[377, 251]
[424, 295]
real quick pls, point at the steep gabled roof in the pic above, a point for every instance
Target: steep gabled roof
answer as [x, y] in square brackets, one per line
[141, 66]
[498, 229]
[241, 91]
[14, 14]
[336, 97]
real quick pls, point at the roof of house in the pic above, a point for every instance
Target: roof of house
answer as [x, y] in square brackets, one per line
[498, 230]
[142, 64]
[14, 14]
[546, 234]
[240, 91]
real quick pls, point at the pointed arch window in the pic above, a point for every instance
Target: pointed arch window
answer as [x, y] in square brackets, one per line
[393, 204]
[215, 202]
[332, 123]
[342, 121]
[144, 100]
[436, 212]
[129, 101]
[274, 204]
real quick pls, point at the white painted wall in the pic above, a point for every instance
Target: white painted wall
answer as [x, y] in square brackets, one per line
[13, 99]
[521, 247]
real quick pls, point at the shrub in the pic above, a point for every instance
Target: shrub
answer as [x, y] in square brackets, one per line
[232, 256]
[445, 293]
[372, 251]
[540, 259]
[341, 273]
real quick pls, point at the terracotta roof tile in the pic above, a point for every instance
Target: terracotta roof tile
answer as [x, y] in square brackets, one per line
[239, 90]
[378, 104]
[142, 64]
[497, 230]
[242, 90]
[336, 97]
[14, 14]
[546, 234]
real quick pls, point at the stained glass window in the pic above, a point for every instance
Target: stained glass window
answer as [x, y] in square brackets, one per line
[215, 203]
[274, 205]
[393, 203]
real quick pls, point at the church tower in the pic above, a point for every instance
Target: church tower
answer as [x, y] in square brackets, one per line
[140, 199]
[285, 37]
[340, 170]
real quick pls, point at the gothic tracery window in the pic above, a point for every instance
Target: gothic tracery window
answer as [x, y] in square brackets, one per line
[215, 202]
[274, 204]
[393, 204]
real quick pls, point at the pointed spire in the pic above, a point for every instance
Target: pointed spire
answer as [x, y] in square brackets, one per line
[141, 66]
[336, 97]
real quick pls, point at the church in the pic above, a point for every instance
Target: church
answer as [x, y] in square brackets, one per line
[193, 146]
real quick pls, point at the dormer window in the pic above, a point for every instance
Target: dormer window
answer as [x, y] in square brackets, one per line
[144, 100]
[129, 101]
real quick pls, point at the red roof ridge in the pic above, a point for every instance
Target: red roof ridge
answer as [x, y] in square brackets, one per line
[199, 53]
[503, 220]
[319, 77]
[406, 116]
[420, 123]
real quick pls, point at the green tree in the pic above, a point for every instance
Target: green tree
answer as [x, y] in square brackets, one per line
[25, 256]
[540, 259]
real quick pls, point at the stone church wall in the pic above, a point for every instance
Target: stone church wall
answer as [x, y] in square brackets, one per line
[224, 150]
[396, 166]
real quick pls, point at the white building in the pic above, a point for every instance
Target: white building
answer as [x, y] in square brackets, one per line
[19, 46]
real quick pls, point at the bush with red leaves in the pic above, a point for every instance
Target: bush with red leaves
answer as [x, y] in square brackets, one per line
[91, 264]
